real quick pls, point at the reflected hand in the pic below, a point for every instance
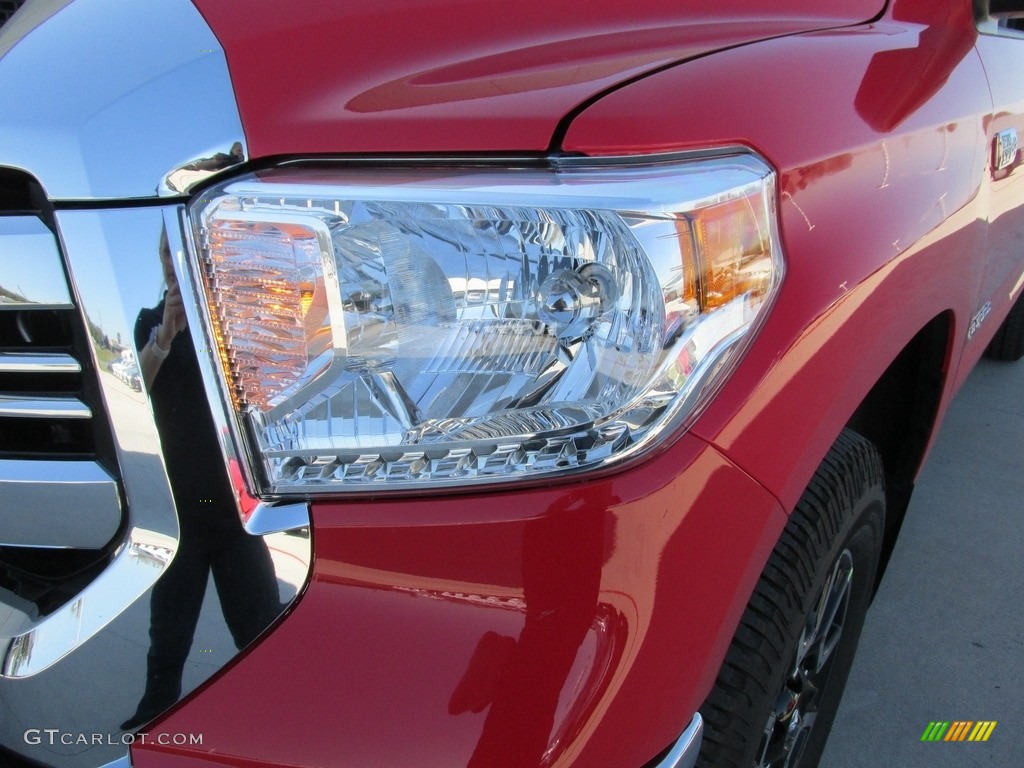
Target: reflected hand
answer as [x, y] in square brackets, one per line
[174, 317]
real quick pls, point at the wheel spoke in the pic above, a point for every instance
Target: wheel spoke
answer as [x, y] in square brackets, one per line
[796, 705]
[835, 598]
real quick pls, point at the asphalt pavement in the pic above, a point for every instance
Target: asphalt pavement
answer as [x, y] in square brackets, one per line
[944, 639]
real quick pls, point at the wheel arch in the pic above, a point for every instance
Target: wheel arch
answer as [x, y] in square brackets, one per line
[899, 415]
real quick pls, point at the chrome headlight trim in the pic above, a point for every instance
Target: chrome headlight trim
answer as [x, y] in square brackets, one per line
[605, 185]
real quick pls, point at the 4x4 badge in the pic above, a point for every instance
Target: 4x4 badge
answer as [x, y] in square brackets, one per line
[1005, 148]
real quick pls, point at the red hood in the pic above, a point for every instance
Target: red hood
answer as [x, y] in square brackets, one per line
[465, 75]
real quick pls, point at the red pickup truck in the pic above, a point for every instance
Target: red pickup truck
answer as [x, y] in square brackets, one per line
[518, 386]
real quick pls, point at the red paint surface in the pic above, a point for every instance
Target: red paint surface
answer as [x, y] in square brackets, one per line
[877, 240]
[481, 630]
[421, 76]
[591, 617]
[1002, 279]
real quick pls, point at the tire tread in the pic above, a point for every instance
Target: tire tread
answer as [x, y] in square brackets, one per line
[1008, 343]
[780, 600]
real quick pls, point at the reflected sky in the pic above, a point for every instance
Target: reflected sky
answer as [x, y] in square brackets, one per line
[30, 267]
[141, 285]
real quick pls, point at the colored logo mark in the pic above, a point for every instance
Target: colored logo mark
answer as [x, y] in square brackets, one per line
[959, 730]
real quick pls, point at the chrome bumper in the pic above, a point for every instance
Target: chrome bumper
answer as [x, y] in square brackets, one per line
[99, 638]
[92, 121]
[684, 752]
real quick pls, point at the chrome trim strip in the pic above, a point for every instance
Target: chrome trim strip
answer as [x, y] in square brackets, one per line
[234, 450]
[27, 362]
[57, 504]
[12, 406]
[519, 161]
[103, 632]
[269, 518]
[127, 115]
[684, 752]
[151, 538]
[31, 275]
[184, 178]
[35, 648]
[107, 632]
[27, 18]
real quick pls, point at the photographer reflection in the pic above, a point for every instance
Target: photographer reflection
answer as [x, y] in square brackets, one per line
[213, 540]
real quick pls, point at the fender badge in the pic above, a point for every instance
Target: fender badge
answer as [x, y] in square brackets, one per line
[1005, 148]
[978, 319]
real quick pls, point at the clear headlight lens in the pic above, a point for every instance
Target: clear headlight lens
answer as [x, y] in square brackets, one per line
[401, 328]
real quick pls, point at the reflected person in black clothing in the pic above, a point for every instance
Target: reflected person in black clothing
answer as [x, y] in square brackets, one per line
[212, 538]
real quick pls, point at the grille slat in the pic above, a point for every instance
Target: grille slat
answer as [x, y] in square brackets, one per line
[44, 411]
[23, 362]
[43, 408]
[35, 497]
[61, 501]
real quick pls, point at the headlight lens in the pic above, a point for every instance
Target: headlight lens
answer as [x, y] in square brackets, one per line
[440, 326]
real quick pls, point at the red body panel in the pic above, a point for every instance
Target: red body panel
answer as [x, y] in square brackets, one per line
[419, 76]
[566, 610]
[590, 618]
[874, 247]
[1002, 278]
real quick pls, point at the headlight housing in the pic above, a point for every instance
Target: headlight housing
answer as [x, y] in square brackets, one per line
[399, 327]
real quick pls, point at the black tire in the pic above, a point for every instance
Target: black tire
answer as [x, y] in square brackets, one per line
[783, 676]
[1008, 343]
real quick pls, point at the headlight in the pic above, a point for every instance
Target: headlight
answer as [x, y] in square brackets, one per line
[402, 327]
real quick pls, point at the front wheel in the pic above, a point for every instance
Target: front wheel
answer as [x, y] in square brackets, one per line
[778, 690]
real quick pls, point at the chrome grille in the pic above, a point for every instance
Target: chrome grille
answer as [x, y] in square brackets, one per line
[42, 413]
[105, 149]
[60, 499]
